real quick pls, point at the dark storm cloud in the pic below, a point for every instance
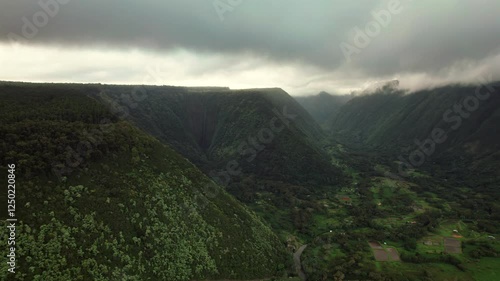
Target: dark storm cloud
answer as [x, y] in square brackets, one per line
[426, 36]
[279, 29]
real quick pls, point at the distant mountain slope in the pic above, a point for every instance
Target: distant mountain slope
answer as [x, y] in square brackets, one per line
[126, 207]
[393, 122]
[324, 107]
[265, 131]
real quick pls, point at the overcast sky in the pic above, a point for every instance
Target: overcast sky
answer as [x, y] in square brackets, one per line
[302, 46]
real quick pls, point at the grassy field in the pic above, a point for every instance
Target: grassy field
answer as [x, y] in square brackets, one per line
[435, 271]
[486, 269]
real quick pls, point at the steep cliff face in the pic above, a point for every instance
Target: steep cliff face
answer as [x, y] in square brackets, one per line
[385, 119]
[455, 126]
[214, 127]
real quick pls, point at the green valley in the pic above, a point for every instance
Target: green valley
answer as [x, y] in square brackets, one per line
[218, 184]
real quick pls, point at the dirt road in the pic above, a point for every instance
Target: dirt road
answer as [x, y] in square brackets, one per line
[298, 264]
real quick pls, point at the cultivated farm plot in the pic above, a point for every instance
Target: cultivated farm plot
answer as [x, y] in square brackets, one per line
[393, 254]
[375, 245]
[452, 245]
[384, 254]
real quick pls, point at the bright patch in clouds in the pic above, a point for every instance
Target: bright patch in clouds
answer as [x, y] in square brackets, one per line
[177, 67]
[184, 68]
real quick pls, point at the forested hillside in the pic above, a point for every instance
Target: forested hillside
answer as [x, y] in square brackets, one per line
[258, 143]
[99, 199]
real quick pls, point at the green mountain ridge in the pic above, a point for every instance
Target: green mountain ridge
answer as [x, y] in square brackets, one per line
[399, 124]
[208, 127]
[255, 140]
[126, 207]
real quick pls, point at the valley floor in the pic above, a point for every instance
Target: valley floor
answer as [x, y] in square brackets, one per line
[426, 231]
